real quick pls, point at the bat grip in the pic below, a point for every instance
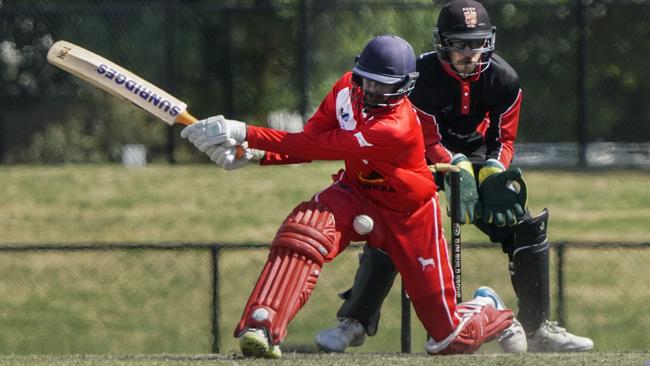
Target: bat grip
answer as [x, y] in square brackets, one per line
[239, 152]
[443, 168]
[187, 119]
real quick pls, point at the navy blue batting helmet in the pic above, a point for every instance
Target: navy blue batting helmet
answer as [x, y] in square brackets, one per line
[390, 60]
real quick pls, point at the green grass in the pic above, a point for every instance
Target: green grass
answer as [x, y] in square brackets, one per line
[132, 302]
[80, 204]
[105, 302]
[155, 302]
[599, 358]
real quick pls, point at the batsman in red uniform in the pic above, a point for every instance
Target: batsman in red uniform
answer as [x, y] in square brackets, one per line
[367, 121]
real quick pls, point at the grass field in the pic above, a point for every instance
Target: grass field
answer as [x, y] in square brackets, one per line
[596, 358]
[81, 204]
[153, 302]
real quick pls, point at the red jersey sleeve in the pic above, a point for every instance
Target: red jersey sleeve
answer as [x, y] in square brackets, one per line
[435, 152]
[272, 158]
[374, 141]
[323, 139]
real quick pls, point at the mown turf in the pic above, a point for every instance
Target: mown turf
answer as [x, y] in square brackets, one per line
[136, 302]
[570, 359]
[148, 301]
[81, 204]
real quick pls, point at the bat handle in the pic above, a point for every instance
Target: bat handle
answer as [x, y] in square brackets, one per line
[443, 168]
[239, 152]
[187, 119]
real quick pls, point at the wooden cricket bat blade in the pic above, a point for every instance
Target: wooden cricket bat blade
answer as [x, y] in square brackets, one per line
[119, 81]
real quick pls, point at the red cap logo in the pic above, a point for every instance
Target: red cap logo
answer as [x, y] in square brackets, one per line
[470, 16]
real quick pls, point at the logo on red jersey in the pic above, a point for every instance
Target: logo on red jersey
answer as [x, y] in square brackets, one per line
[362, 140]
[371, 180]
[345, 116]
[344, 111]
[424, 262]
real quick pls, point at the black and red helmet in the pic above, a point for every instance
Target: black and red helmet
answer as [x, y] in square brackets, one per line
[464, 26]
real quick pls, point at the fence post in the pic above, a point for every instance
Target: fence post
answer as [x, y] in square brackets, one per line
[214, 251]
[171, 25]
[4, 100]
[227, 66]
[581, 116]
[303, 56]
[405, 335]
[3, 128]
[561, 317]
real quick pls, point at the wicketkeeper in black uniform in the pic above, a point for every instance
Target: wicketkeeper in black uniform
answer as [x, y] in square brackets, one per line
[468, 101]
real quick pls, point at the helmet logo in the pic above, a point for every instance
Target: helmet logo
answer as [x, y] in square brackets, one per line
[470, 17]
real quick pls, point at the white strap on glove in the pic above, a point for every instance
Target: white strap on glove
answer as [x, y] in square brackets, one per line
[226, 156]
[214, 131]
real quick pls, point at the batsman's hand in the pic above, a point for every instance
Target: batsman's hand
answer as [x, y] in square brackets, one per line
[503, 203]
[469, 202]
[228, 157]
[215, 131]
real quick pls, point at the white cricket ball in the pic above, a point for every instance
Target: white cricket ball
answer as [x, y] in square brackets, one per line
[363, 224]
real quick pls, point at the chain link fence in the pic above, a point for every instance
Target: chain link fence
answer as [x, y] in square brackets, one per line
[581, 64]
[585, 103]
[187, 298]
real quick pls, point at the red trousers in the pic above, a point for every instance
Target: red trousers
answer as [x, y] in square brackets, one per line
[415, 243]
[413, 240]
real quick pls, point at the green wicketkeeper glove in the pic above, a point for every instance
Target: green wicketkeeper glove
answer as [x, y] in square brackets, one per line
[501, 203]
[468, 193]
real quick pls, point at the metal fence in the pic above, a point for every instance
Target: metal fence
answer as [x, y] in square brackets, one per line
[582, 66]
[187, 297]
[583, 71]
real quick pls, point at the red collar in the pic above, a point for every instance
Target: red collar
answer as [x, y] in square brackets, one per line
[448, 68]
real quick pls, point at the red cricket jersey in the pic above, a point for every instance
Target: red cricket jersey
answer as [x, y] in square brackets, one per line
[383, 150]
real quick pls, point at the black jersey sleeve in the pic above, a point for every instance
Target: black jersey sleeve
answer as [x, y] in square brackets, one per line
[503, 114]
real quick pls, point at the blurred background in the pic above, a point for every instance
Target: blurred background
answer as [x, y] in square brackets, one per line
[582, 64]
[91, 262]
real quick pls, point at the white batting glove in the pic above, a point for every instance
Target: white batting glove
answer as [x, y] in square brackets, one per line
[226, 156]
[215, 131]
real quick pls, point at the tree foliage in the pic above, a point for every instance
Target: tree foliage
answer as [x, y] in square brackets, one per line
[247, 59]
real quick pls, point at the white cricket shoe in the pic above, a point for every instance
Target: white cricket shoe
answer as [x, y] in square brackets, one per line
[347, 333]
[552, 338]
[513, 339]
[256, 343]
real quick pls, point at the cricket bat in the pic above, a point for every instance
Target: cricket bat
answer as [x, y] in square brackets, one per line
[121, 82]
